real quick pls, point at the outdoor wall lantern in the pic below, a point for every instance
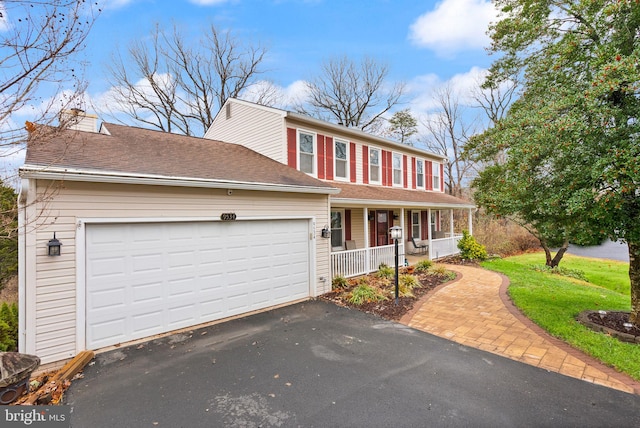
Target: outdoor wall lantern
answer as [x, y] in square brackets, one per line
[326, 233]
[53, 246]
[396, 235]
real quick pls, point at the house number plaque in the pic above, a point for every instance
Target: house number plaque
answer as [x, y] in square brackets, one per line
[228, 216]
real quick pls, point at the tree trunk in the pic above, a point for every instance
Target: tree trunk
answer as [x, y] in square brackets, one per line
[634, 277]
[554, 261]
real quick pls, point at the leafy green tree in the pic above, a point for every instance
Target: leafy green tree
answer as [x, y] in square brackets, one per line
[569, 147]
[403, 126]
[8, 233]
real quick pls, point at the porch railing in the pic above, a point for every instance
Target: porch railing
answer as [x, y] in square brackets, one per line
[363, 261]
[445, 247]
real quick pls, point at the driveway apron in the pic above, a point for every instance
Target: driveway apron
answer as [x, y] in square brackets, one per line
[315, 364]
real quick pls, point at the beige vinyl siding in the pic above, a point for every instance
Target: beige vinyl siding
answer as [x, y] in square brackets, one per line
[357, 226]
[51, 296]
[258, 128]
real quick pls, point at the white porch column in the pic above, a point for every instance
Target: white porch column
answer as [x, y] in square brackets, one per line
[471, 221]
[430, 234]
[367, 254]
[452, 240]
[404, 232]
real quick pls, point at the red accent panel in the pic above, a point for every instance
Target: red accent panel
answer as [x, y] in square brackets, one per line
[424, 226]
[329, 158]
[365, 164]
[390, 219]
[352, 161]
[405, 172]
[347, 225]
[320, 152]
[413, 172]
[292, 148]
[389, 169]
[442, 177]
[429, 178]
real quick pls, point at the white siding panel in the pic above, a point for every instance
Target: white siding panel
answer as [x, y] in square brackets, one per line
[77, 201]
[260, 129]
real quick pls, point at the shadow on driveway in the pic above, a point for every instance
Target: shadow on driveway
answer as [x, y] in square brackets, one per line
[316, 364]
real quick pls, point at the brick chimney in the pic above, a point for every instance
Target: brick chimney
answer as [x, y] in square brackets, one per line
[78, 120]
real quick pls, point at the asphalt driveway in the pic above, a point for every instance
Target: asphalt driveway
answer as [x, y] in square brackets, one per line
[315, 364]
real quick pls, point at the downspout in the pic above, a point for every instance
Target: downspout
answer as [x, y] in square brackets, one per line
[22, 269]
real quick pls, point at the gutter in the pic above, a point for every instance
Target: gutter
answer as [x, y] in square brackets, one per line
[387, 203]
[31, 171]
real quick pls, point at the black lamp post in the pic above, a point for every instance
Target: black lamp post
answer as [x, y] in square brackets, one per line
[396, 235]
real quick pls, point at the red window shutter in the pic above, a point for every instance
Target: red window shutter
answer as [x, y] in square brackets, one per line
[320, 152]
[442, 177]
[329, 158]
[384, 168]
[365, 164]
[429, 177]
[352, 161]
[390, 219]
[373, 231]
[413, 172]
[389, 169]
[347, 225]
[405, 172]
[424, 226]
[292, 148]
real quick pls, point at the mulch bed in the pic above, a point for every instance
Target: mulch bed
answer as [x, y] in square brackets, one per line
[388, 309]
[612, 323]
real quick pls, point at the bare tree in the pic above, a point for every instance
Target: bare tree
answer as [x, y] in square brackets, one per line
[495, 100]
[447, 134]
[170, 84]
[39, 42]
[352, 94]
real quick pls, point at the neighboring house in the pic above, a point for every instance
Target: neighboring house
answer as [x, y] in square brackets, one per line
[159, 232]
[382, 183]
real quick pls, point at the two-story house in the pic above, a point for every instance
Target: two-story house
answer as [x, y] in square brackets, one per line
[126, 233]
[382, 183]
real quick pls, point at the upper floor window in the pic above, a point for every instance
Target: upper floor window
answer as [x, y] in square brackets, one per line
[436, 176]
[374, 166]
[397, 169]
[341, 159]
[306, 152]
[420, 174]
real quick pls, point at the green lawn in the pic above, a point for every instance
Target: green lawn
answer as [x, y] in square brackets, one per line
[553, 302]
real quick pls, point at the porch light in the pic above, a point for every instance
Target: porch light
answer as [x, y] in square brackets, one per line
[396, 235]
[326, 233]
[53, 246]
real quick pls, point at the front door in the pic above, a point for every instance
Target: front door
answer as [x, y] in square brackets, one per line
[382, 227]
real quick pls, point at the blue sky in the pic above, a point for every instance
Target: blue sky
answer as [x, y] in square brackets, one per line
[425, 43]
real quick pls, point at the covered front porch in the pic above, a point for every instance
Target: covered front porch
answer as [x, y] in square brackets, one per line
[360, 239]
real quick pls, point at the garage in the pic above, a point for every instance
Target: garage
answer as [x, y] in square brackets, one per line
[144, 279]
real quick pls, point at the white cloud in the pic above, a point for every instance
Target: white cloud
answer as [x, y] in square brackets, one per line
[453, 26]
[4, 22]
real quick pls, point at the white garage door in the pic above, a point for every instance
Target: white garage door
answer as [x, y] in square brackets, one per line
[150, 278]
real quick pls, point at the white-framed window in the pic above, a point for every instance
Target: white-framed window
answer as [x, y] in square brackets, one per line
[415, 225]
[337, 229]
[397, 169]
[307, 152]
[436, 175]
[341, 160]
[374, 165]
[420, 174]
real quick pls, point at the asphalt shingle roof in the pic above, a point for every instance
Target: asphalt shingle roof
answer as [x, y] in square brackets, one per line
[379, 193]
[137, 151]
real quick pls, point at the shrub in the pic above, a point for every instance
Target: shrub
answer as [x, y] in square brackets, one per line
[470, 249]
[9, 327]
[365, 293]
[406, 284]
[385, 271]
[442, 270]
[339, 282]
[423, 265]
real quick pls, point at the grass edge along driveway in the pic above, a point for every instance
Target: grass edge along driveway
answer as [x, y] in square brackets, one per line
[554, 301]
